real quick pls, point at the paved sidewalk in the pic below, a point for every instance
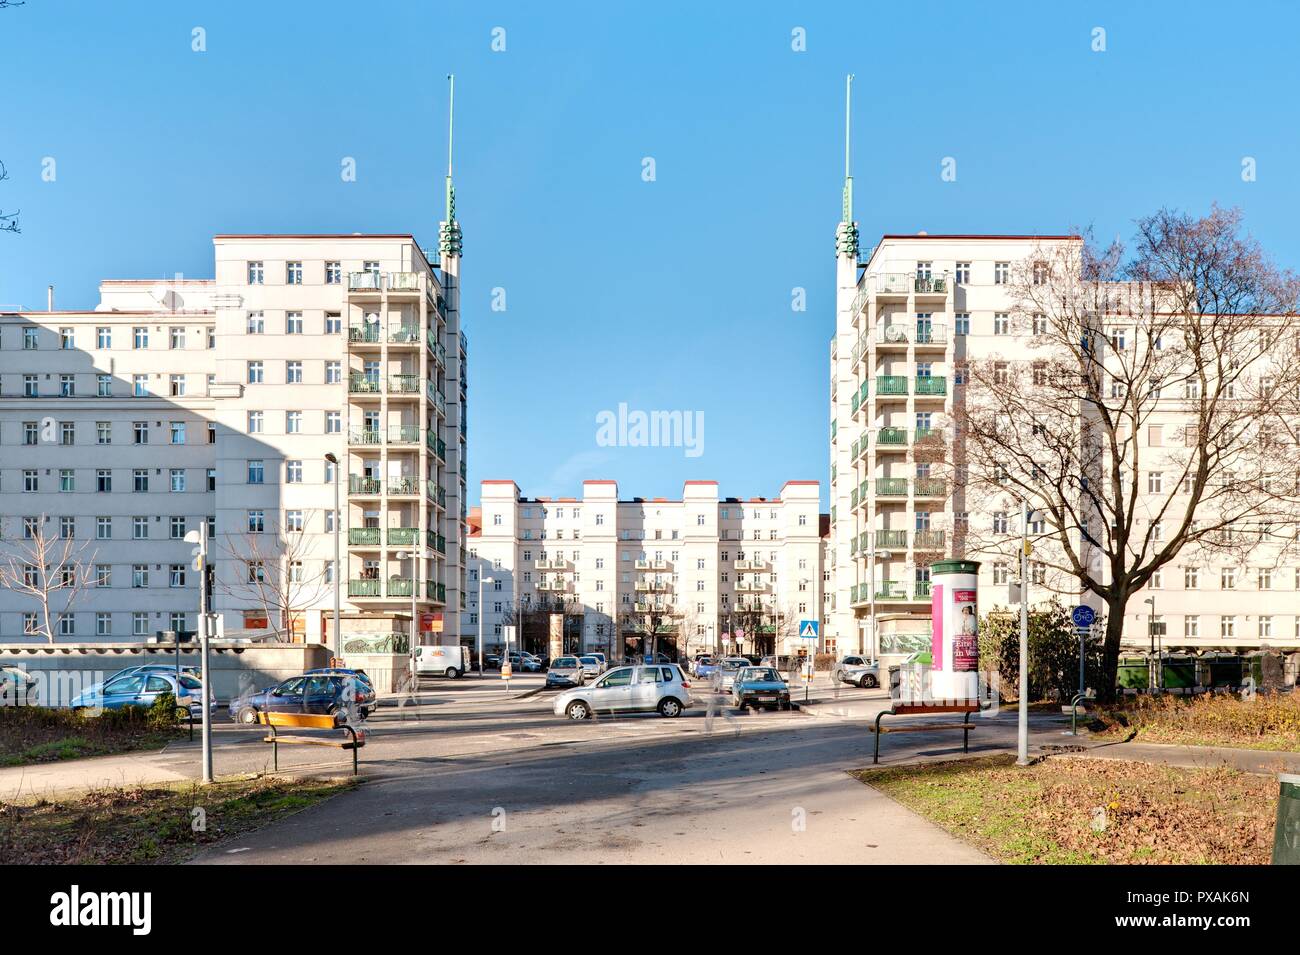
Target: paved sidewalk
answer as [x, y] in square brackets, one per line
[72, 776]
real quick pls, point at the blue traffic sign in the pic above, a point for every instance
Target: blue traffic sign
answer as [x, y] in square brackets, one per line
[808, 629]
[1083, 616]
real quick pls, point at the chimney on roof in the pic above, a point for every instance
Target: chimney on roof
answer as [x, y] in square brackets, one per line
[49, 298]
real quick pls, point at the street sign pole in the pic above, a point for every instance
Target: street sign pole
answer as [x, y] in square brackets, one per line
[204, 621]
[1083, 618]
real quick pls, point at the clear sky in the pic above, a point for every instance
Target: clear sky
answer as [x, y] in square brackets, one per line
[666, 295]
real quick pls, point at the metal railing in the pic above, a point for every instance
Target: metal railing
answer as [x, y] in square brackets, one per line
[362, 485]
[891, 487]
[363, 384]
[403, 334]
[891, 538]
[364, 333]
[402, 536]
[403, 434]
[892, 437]
[891, 385]
[363, 588]
[404, 485]
[928, 540]
[363, 536]
[931, 385]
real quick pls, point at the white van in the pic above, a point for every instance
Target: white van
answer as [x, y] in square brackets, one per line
[447, 661]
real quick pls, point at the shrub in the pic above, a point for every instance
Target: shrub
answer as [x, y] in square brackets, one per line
[1053, 652]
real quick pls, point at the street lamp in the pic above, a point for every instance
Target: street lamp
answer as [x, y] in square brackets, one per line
[481, 582]
[414, 556]
[200, 539]
[1152, 635]
[871, 594]
[338, 570]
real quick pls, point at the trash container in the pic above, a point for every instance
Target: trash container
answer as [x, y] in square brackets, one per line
[1286, 835]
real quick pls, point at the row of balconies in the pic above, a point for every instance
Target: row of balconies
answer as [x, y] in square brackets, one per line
[890, 590]
[924, 335]
[653, 586]
[359, 486]
[645, 564]
[371, 587]
[893, 439]
[889, 387]
[397, 537]
[900, 487]
[371, 333]
[897, 540]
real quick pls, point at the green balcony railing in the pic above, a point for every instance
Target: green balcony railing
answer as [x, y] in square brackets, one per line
[853, 498]
[853, 406]
[928, 540]
[364, 588]
[404, 485]
[862, 394]
[362, 485]
[403, 334]
[890, 590]
[366, 436]
[926, 434]
[891, 385]
[400, 586]
[436, 492]
[402, 536]
[922, 590]
[403, 434]
[926, 284]
[430, 539]
[931, 385]
[891, 487]
[363, 384]
[404, 384]
[363, 536]
[364, 333]
[891, 538]
[892, 437]
[440, 545]
[931, 487]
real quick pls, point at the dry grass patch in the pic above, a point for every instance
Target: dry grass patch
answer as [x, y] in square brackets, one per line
[1267, 721]
[1076, 810]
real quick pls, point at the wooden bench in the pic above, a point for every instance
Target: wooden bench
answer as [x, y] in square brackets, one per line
[308, 721]
[966, 707]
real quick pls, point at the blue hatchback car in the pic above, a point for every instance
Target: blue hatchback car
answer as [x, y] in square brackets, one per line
[325, 693]
[134, 688]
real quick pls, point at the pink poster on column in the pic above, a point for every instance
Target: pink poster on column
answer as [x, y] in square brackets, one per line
[936, 625]
[965, 639]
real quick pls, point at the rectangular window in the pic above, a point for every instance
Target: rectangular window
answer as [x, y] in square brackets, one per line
[103, 624]
[140, 480]
[29, 339]
[140, 386]
[67, 386]
[963, 273]
[139, 337]
[139, 528]
[292, 472]
[176, 385]
[176, 575]
[333, 422]
[256, 323]
[178, 432]
[177, 480]
[293, 273]
[293, 372]
[176, 337]
[31, 432]
[256, 472]
[177, 528]
[139, 623]
[293, 521]
[255, 422]
[139, 576]
[293, 323]
[103, 337]
[255, 373]
[1001, 273]
[140, 430]
[333, 372]
[293, 422]
[103, 528]
[333, 323]
[30, 481]
[961, 323]
[103, 432]
[104, 386]
[256, 273]
[1001, 323]
[256, 522]
[67, 480]
[103, 481]
[333, 273]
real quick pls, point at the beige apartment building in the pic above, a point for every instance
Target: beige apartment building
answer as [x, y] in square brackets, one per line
[639, 575]
[306, 363]
[912, 312]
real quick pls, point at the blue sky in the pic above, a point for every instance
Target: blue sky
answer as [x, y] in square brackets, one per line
[672, 294]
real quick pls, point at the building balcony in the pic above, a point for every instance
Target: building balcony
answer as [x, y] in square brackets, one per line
[751, 586]
[436, 445]
[365, 281]
[894, 334]
[891, 438]
[403, 536]
[403, 384]
[893, 283]
[400, 586]
[555, 563]
[891, 487]
[931, 386]
[436, 492]
[930, 285]
[366, 436]
[403, 281]
[930, 487]
[364, 588]
[643, 564]
[364, 385]
[892, 539]
[891, 386]
[660, 564]
[891, 590]
[363, 536]
[403, 486]
[363, 485]
[403, 434]
[375, 282]
[928, 540]
[928, 334]
[365, 334]
[753, 563]
[399, 334]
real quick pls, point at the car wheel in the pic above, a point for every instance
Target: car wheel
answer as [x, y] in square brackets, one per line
[578, 710]
[868, 682]
[453, 673]
[670, 707]
[247, 715]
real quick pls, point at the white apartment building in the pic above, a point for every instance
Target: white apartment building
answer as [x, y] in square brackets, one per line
[910, 315]
[170, 403]
[645, 574]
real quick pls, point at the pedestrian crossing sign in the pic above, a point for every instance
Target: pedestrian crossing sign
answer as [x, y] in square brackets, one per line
[808, 629]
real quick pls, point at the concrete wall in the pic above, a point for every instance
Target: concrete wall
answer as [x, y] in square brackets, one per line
[235, 668]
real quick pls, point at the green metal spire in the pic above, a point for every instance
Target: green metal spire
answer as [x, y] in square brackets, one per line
[451, 236]
[848, 239]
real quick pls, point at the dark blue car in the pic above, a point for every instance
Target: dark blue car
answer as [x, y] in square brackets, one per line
[326, 693]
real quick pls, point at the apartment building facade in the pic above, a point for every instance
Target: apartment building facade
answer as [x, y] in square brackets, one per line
[240, 401]
[911, 315]
[629, 576]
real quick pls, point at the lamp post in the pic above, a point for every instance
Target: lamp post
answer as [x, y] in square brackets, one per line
[481, 582]
[871, 598]
[1152, 634]
[1022, 730]
[200, 539]
[338, 570]
[414, 556]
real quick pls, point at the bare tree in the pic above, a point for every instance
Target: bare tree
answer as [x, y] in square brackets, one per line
[275, 571]
[51, 569]
[1155, 414]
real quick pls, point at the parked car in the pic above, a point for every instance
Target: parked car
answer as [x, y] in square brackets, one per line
[593, 665]
[315, 693]
[142, 689]
[524, 662]
[451, 662]
[725, 674]
[17, 686]
[492, 660]
[857, 671]
[760, 686]
[660, 688]
[706, 666]
[361, 675]
[701, 659]
[604, 660]
[566, 671]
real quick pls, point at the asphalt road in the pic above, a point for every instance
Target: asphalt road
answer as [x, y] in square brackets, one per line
[470, 776]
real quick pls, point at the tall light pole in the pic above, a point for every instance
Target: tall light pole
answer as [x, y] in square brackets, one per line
[414, 556]
[338, 570]
[481, 581]
[1151, 633]
[1022, 734]
[200, 538]
[871, 591]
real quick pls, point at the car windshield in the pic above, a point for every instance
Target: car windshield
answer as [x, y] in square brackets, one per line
[588, 659]
[735, 664]
[190, 683]
[566, 662]
[760, 675]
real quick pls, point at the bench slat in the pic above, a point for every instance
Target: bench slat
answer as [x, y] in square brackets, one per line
[315, 741]
[319, 721]
[922, 729]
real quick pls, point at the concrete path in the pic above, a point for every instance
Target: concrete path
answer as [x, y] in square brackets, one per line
[49, 780]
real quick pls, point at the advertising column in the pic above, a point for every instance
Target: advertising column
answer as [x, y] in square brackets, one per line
[954, 640]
